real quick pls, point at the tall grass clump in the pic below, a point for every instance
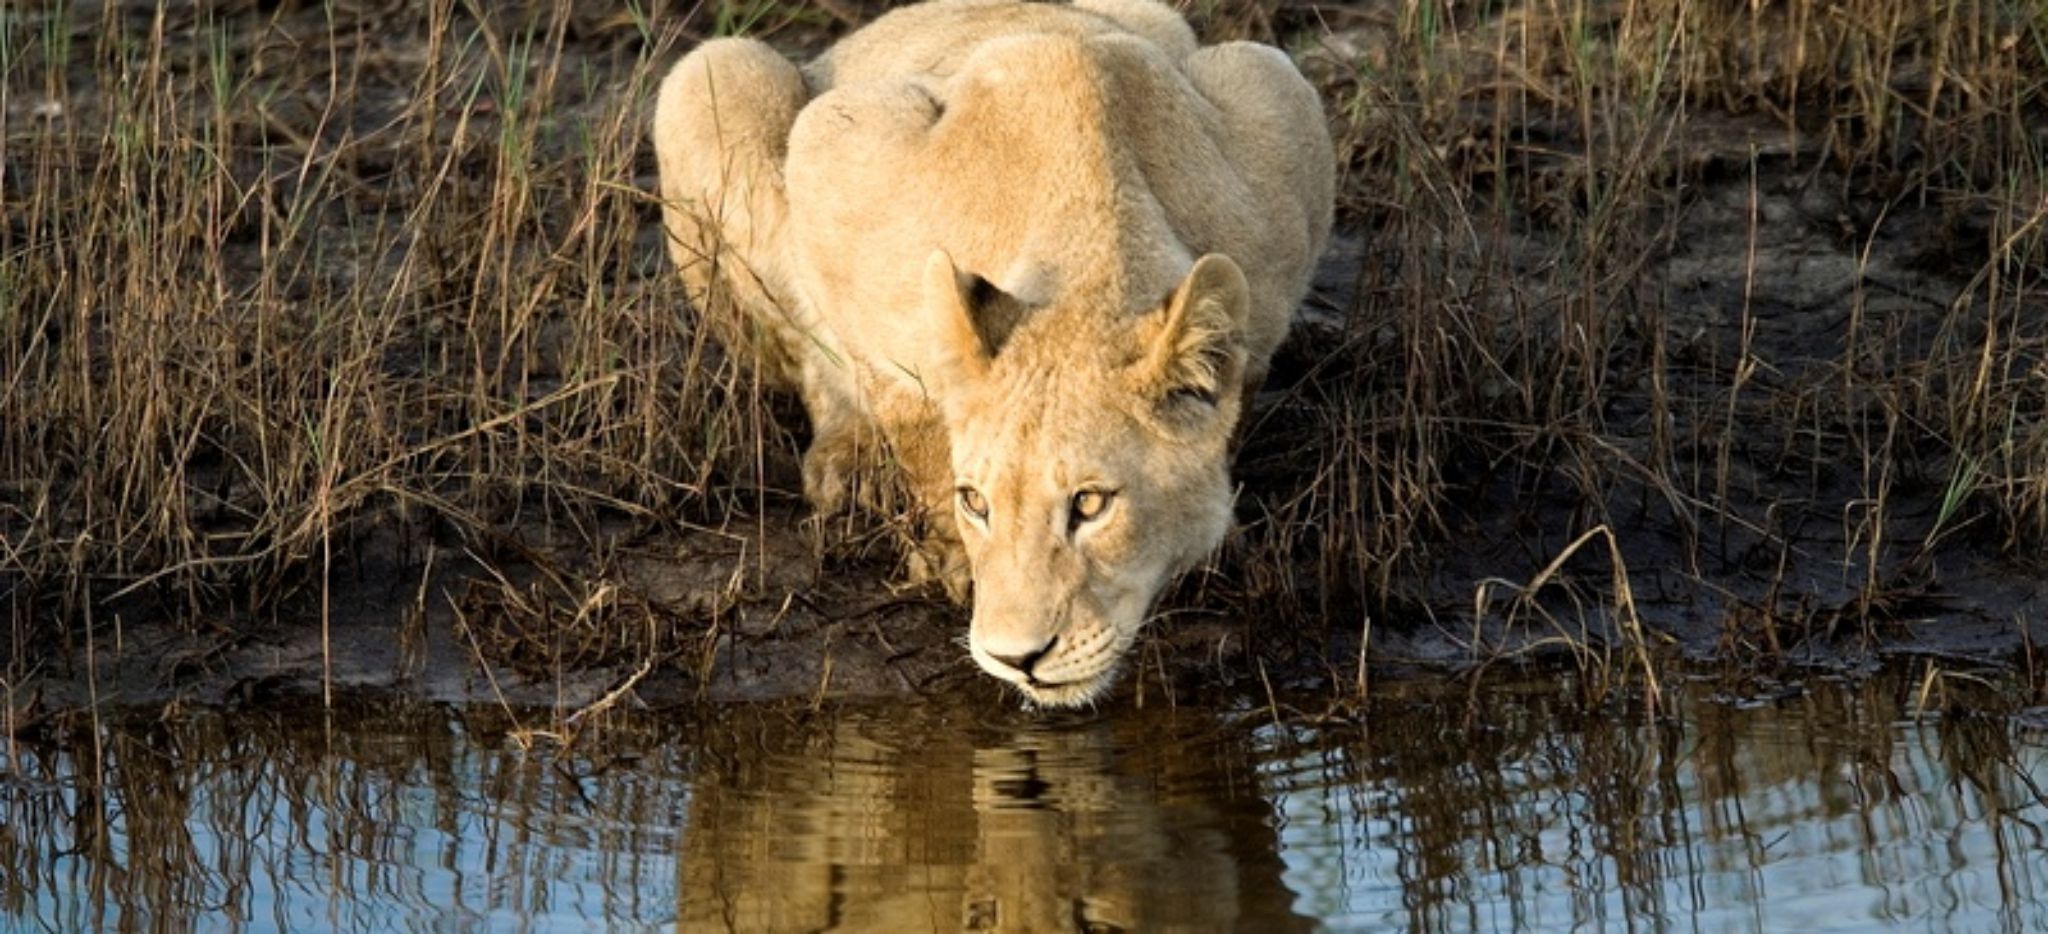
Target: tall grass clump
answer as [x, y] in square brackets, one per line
[271, 283]
[1535, 352]
[283, 283]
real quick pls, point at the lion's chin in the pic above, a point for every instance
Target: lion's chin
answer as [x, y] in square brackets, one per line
[1067, 694]
[1073, 689]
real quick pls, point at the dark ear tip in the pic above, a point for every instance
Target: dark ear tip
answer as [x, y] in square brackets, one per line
[980, 292]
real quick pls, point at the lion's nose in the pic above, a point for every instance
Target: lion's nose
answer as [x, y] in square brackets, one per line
[1024, 662]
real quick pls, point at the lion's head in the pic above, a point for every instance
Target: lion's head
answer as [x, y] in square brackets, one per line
[1091, 466]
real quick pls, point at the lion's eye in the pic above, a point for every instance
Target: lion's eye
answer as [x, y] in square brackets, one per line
[1088, 504]
[972, 501]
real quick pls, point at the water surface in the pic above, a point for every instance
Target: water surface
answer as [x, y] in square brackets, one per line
[1515, 803]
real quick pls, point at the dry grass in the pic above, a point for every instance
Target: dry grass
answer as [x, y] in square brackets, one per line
[276, 277]
[271, 279]
[1530, 359]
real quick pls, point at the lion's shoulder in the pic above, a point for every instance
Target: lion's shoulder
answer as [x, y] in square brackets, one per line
[1091, 159]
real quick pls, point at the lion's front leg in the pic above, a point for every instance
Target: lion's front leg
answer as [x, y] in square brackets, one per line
[842, 438]
[940, 556]
[917, 437]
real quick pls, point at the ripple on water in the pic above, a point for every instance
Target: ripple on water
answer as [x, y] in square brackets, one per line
[1515, 806]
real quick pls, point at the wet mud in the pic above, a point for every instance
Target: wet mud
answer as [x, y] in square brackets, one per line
[773, 607]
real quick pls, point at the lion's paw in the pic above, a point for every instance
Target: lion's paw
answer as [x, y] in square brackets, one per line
[828, 478]
[943, 562]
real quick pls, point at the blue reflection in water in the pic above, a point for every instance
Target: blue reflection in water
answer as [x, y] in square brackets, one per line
[1828, 812]
[270, 822]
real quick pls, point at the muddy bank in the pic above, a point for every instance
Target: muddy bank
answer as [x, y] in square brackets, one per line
[1663, 374]
[770, 606]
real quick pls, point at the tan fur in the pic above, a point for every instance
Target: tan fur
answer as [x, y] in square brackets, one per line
[1031, 831]
[1045, 250]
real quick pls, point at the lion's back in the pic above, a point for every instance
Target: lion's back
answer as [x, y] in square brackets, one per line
[932, 39]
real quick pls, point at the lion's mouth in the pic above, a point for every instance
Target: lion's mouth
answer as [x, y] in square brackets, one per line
[1035, 681]
[1080, 673]
[1069, 680]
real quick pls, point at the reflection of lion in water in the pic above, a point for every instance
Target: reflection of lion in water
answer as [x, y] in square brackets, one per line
[1047, 250]
[1038, 831]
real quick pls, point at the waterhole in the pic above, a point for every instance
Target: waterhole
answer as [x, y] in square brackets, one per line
[1513, 801]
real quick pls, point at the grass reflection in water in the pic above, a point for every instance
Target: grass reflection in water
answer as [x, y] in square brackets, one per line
[1510, 806]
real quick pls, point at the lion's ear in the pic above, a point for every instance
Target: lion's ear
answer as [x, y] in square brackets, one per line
[1197, 354]
[957, 352]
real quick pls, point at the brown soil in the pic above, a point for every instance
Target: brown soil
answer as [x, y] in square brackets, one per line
[1735, 545]
[753, 612]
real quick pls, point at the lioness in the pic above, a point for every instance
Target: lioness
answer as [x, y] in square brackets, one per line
[1047, 250]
